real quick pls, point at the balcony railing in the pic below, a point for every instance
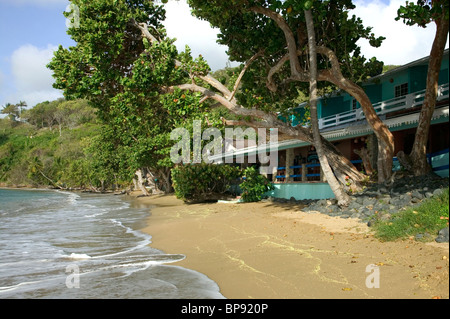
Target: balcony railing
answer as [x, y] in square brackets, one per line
[309, 172]
[405, 102]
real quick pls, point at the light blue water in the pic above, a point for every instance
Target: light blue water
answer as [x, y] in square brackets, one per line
[56, 244]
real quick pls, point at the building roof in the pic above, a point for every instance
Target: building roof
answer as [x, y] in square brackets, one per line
[422, 61]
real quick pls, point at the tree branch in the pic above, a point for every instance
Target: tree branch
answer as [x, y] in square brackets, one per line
[241, 75]
[288, 34]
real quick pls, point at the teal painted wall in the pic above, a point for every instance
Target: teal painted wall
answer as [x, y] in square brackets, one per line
[418, 78]
[302, 191]
[443, 75]
[374, 92]
[388, 87]
[333, 105]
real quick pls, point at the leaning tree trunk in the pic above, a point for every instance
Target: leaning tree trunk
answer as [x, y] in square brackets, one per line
[418, 156]
[381, 131]
[342, 198]
[141, 183]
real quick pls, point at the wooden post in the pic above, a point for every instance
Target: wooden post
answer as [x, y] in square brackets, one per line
[289, 163]
[304, 179]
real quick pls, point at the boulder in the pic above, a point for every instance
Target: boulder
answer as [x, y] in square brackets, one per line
[442, 236]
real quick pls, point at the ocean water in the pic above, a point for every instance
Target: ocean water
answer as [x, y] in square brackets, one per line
[56, 244]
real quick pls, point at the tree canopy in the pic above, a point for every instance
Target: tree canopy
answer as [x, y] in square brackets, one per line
[129, 78]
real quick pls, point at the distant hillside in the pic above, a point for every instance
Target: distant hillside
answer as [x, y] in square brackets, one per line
[49, 146]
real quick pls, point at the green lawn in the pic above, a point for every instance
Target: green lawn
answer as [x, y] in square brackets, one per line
[428, 218]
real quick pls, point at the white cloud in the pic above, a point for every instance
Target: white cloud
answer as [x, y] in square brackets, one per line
[403, 44]
[28, 67]
[31, 78]
[198, 34]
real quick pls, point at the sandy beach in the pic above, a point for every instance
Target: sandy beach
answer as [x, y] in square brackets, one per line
[272, 250]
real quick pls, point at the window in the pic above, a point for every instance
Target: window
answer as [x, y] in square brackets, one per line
[401, 90]
[354, 104]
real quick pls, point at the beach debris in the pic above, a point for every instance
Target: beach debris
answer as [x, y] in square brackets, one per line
[230, 201]
[347, 289]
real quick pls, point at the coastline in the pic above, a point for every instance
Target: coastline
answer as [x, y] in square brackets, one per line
[275, 251]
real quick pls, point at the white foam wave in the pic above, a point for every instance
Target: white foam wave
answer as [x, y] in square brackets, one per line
[72, 197]
[79, 256]
[14, 287]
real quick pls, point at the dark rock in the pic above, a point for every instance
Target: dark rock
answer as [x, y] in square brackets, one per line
[371, 223]
[417, 194]
[438, 192]
[428, 194]
[369, 201]
[322, 202]
[443, 236]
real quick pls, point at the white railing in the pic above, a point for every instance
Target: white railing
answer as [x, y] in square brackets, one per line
[396, 104]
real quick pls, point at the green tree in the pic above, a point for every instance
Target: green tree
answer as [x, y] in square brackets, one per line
[422, 13]
[12, 110]
[128, 75]
[273, 34]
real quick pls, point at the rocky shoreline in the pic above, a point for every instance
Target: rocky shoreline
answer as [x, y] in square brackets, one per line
[380, 201]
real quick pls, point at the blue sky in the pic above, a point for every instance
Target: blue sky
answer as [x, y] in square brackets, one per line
[30, 30]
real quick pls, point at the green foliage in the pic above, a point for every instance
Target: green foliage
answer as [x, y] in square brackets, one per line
[202, 182]
[60, 112]
[35, 154]
[429, 217]
[423, 12]
[254, 185]
[127, 78]
[12, 110]
[246, 33]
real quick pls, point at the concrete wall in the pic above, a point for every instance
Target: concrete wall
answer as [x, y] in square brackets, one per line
[302, 191]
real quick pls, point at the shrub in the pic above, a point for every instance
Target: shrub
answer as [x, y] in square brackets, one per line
[202, 182]
[254, 186]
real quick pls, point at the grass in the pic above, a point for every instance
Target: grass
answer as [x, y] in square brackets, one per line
[428, 218]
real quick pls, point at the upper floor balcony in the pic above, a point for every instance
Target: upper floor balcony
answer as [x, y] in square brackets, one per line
[387, 109]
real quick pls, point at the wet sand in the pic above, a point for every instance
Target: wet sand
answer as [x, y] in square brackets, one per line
[271, 250]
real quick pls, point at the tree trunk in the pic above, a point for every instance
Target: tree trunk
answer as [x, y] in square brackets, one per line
[418, 156]
[335, 76]
[342, 198]
[141, 183]
[165, 175]
[381, 131]
[364, 154]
